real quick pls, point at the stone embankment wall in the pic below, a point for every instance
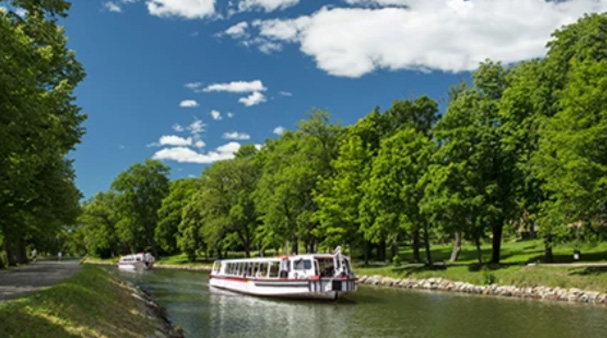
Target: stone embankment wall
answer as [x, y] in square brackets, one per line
[537, 292]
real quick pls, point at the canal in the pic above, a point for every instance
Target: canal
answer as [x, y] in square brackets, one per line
[371, 312]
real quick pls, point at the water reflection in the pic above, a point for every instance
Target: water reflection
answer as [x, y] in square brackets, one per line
[371, 312]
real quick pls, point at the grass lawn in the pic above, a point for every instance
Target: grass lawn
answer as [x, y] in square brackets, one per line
[90, 304]
[513, 271]
[182, 259]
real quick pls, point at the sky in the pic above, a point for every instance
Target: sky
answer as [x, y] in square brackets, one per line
[188, 81]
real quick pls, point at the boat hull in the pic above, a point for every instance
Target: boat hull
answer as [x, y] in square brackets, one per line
[285, 288]
[134, 266]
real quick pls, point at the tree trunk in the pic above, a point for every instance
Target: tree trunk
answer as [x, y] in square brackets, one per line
[549, 258]
[294, 246]
[415, 245]
[21, 254]
[427, 245]
[457, 246]
[367, 248]
[381, 251]
[497, 243]
[394, 250]
[8, 246]
[531, 230]
[219, 253]
[247, 250]
[479, 252]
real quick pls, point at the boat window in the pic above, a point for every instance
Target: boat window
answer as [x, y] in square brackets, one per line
[263, 270]
[302, 264]
[256, 271]
[249, 269]
[274, 269]
[326, 266]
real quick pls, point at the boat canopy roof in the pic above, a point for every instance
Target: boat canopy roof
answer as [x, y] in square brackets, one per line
[274, 258]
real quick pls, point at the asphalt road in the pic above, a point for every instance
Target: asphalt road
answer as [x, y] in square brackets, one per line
[23, 280]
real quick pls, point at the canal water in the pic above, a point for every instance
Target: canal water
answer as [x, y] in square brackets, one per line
[370, 312]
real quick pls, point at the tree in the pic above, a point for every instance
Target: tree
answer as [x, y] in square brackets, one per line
[339, 196]
[293, 166]
[39, 125]
[98, 221]
[395, 189]
[141, 188]
[170, 213]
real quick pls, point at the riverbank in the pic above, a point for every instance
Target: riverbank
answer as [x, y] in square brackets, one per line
[91, 303]
[191, 267]
[445, 285]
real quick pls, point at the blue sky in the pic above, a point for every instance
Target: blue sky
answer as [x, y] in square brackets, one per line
[154, 66]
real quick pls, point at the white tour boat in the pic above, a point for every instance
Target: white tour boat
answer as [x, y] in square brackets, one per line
[140, 261]
[313, 276]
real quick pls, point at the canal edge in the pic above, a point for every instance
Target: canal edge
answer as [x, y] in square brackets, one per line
[545, 293]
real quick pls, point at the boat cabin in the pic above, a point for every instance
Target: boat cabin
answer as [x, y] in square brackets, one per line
[286, 267]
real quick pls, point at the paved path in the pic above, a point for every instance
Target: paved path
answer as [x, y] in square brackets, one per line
[23, 280]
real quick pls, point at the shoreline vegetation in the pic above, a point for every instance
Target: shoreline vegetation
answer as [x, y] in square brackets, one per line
[92, 303]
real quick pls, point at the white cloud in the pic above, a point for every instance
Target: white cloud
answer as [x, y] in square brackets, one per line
[216, 115]
[230, 115]
[266, 5]
[187, 155]
[196, 127]
[121, 147]
[178, 128]
[236, 87]
[199, 144]
[112, 7]
[236, 136]
[193, 85]
[283, 93]
[238, 30]
[253, 99]
[279, 130]
[173, 140]
[446, 35]
[189, 9]
[188, 104]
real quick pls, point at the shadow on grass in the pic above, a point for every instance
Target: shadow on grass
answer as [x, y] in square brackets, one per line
[493, 267]
[17, 322]
[590, 271]
[560, 258]
[410, 269]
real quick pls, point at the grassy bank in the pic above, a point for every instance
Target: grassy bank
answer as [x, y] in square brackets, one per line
[90, 304]
[514, 269]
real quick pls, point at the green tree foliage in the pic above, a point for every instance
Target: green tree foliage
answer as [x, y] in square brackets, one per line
[39, 125]
[99, 221]
[293, 166]
[222, 212]
[170, 213]
[391, 204]
[141, 188]
[339, 196]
